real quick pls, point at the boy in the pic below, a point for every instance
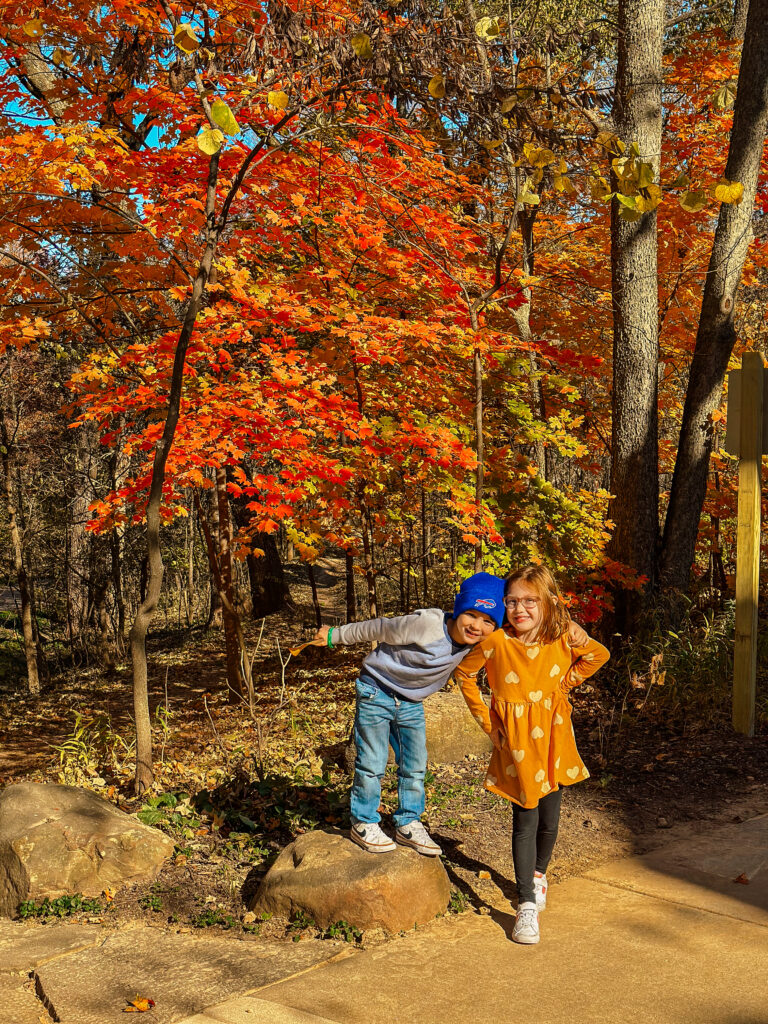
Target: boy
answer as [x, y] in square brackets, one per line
[415, 657]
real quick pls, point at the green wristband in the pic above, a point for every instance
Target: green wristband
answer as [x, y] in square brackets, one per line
[330, 632]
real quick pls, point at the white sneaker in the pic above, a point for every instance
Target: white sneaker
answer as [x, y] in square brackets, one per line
[541, 885]
[416, 836]
[526, 928]
[371, 837]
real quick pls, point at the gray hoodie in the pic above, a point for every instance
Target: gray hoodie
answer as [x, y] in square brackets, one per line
[415, 656]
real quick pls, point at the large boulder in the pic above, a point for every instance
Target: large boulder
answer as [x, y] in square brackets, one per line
[327, 877]
[56, 840]
[452, 732]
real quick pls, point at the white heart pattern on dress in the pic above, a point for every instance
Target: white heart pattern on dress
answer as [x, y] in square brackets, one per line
[532, 652]
[512, 677]
[511, 770]
[535, 695]
[489, 780]
[539, 776]
[585, 773]
[572, 772]
[545, 787]
[554, 671]
[537, 732]
[518, 755]
[557, 763]
[522, 797]
[548, 703]
[519, 709]
[558, 718]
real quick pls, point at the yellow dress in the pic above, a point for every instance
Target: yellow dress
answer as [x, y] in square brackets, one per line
[529, 685]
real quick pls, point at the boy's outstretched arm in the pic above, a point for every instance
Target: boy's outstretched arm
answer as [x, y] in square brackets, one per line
[420, 627]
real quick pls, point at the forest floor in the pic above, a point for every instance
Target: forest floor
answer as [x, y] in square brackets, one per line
[233, 792]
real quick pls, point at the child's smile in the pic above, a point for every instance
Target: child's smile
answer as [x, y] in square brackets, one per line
[470, 627]
[524, 612]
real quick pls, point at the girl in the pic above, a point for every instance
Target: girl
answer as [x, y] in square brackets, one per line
[532, 664]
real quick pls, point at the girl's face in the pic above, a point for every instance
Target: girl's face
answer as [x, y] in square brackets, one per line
[524, 611]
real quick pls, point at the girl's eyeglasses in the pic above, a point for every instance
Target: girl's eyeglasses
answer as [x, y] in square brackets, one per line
[526, 602]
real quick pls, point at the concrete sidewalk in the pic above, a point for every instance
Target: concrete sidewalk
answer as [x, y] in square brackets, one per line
[666, 938]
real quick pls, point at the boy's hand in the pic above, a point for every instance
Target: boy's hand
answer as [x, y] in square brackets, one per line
[577, 637]
[320, 639]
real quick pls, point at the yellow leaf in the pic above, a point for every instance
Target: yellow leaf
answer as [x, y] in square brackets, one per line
[693, 201]
[33, 28]
[564, 184]
[729, 191]
[543, 158]
[487, 29]
[508, 104]
[529, 199]
[361, 44]
[612, 143]
[279, 100]
[629, 215]
[209, 141]
[185, 38]
[644, 174]
[627, 201]
[437, 87]
[224, 118]
[725, 96]
[490, 144]
[649, 198]
[681, 181]
[139, 1005]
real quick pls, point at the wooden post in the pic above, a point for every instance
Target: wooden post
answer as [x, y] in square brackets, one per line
[748, 543]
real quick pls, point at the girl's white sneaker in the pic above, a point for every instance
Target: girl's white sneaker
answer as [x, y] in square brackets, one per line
[541, 885]
[526, 930]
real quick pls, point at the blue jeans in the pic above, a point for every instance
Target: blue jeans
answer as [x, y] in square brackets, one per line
[381, 719]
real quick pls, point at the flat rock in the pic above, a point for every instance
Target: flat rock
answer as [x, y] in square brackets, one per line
[182, 973]
[56, 840]
[26, 946]
[452, 732]
[18, 1003]
[325, 876]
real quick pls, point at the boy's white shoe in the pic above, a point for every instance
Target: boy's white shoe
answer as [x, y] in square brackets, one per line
[526, 930]
[416, 836]
[541, 885]
[371, 837]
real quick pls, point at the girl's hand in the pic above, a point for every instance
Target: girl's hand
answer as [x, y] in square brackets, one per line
[577, 637]
[321, 636]
[498, 737]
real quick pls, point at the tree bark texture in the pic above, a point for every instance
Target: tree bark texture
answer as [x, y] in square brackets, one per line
[634, 278]
[716, 334]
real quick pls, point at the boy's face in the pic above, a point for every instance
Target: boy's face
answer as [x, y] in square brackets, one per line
[471, 626]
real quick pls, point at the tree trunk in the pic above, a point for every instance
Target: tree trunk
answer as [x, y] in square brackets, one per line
[77, 540]
[477, 367]
[349, 575]
[739, 22]
[634, 250]
[144, 773]
[424, 548]
[191, 564]
[269, 590]
[17, 546]
[716, 334]
[227, 588]
[315, 598]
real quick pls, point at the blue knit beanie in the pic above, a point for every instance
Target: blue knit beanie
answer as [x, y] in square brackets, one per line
[481, 593]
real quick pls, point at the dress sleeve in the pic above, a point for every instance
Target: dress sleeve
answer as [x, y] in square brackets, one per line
[585, 661]
[466, 674]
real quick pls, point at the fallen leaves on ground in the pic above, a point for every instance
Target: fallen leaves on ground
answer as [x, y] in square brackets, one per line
[141, 1004]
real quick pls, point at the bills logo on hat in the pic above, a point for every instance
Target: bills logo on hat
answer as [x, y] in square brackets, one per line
[485, 602]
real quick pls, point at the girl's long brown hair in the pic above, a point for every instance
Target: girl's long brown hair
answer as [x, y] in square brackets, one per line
[555, 619]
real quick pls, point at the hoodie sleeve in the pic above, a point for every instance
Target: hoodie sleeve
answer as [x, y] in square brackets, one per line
[423, 626]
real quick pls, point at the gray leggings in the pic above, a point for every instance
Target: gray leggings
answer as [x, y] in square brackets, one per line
[534, 831]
